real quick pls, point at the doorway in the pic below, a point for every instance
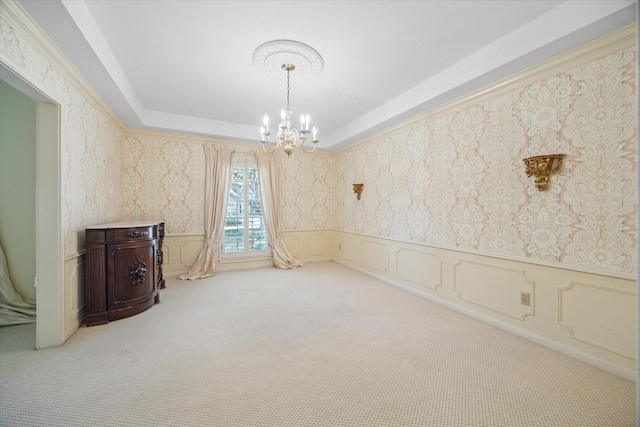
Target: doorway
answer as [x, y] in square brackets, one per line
[49, 261]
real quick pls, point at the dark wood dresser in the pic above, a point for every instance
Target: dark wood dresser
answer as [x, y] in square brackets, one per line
[123, 269]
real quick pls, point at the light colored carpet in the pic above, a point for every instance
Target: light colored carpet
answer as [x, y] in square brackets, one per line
[318, 346]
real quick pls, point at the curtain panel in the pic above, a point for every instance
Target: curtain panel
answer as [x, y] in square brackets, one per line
[217, 183]
[269, 174]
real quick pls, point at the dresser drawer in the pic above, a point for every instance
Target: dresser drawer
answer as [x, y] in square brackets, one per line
[130, 234]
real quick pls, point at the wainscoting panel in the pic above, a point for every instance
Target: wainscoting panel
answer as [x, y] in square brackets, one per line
[374, 255]
[419, 267]
[293, 244]
[318, 245]
[167, 252]
[181, 251]
[74, 294]
[309, 245]
[189, 249]
[494, 287]
[345, 247]
[600, 316]
[587, 315]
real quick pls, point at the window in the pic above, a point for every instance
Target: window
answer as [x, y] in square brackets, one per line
[244, 231]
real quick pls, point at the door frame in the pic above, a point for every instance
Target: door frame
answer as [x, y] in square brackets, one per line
[50, 329]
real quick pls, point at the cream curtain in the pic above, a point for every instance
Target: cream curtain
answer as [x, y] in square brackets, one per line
[269, 174]
[218, 180]
[13, 309]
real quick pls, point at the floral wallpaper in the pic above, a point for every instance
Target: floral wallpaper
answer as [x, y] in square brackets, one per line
[459, 181]
[91, 178]
[91, 153]
[164, 180]
[454, 179]
[307, 192]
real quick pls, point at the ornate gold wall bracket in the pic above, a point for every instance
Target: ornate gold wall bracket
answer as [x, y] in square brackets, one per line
[543, 167]
[357, 188]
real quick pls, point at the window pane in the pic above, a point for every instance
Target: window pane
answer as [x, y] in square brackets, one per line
[244, 230]
[234, 221]
[257, 231]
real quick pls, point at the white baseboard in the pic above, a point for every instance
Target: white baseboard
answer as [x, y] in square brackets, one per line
[312, 260]
[244, 267]
[561, 348]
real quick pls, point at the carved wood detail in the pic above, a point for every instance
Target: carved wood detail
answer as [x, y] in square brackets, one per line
[138, 272]
[137, 233]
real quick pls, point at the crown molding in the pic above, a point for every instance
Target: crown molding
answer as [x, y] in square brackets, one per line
[178, 137]
[618, 40]
[22, 22]
[198, 139]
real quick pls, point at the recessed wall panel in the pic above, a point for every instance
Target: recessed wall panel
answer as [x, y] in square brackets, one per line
[345, 247]
[375, 255]
[74, 291]
[494, 287]
[600, 316]
[317, 245]
[292, 244]
[420, 268]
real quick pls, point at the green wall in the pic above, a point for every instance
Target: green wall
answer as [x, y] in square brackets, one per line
[18, 187]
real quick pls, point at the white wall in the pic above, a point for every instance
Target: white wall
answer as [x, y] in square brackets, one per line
[18, 187]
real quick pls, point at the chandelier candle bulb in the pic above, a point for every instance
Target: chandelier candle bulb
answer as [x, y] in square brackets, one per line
[308, 120]
[315, 131]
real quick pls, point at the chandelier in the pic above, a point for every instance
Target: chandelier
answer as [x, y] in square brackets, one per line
[288, 55]
[288, 138]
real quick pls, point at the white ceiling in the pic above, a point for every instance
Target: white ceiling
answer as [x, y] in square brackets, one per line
[186, 66]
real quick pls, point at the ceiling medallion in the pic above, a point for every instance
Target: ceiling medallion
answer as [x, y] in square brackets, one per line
[287, 55]
[270, 56]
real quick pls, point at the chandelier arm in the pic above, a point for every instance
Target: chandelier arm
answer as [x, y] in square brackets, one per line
[308, 151]
[269, 150]
[298, 140]
[272, 144]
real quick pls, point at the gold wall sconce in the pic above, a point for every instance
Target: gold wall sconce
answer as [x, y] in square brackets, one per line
[357, 188]
[543, 167]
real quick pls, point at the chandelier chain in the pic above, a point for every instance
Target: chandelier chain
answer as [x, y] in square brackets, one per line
[288, 88]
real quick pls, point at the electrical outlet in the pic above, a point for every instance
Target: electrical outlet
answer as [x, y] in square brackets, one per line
[525, 298]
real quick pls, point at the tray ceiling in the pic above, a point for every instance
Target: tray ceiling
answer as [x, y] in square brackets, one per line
[187, 66]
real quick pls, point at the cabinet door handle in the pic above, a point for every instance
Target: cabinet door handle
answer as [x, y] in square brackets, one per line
[137, 233]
